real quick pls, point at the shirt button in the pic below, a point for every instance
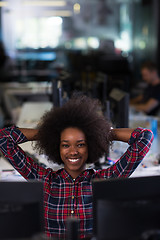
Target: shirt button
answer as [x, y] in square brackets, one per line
[72, 212]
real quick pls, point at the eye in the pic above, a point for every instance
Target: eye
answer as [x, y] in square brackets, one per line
[81, 144]
[65, 145]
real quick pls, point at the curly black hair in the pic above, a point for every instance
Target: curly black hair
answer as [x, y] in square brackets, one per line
[81, 112]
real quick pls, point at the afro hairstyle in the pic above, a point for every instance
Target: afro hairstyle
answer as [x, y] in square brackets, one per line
[80, 112]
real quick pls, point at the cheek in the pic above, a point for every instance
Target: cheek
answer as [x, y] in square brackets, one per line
[62, 153]
[85, 153]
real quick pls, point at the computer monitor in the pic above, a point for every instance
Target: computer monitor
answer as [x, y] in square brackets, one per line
[126, 208]
[119, 104]
[57, 93]
[21, 209]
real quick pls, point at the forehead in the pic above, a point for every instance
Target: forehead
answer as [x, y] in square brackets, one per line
[72, 133]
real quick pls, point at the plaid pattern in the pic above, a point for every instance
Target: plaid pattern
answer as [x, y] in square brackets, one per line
[64, 196]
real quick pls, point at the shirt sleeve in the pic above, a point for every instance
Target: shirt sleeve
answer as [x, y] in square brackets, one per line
[9, 139]
[140, 143]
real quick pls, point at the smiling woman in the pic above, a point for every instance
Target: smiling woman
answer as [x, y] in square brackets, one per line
[74, 134]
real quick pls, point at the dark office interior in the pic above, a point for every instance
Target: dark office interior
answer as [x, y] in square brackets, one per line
[48, 51]
[91, 46]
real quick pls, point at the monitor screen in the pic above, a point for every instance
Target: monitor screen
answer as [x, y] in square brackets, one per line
[37, 56]
[126, 208]
[21, 209]
[119, 104]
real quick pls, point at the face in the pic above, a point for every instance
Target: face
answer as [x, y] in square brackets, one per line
[147, 75]
[73, 150]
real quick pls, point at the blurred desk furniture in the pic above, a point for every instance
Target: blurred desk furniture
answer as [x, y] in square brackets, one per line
[33, 65]
[30, 88]
[13, 95]
[30, 91]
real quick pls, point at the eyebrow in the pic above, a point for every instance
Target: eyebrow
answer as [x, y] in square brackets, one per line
[83, 140]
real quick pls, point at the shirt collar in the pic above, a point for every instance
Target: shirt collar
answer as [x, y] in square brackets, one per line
[83, 176]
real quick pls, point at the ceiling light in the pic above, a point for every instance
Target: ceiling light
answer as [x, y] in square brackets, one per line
[77, 8]
[64, 13]
[45, 3]
[3, 4]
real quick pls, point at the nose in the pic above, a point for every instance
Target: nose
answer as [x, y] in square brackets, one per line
[73, 150]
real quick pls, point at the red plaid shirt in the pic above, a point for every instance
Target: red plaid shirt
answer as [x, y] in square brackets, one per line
[64, 196]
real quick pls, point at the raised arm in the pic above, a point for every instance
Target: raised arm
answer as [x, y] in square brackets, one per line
[30, 134]
[10, 138]
[140, 141]
[122, 134]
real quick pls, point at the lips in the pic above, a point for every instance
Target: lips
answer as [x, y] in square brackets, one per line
[73, 160]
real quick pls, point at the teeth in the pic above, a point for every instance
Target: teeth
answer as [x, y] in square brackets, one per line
[73, 160]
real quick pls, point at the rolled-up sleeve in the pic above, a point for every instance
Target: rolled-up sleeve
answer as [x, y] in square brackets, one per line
[10, 138]
[139, 144]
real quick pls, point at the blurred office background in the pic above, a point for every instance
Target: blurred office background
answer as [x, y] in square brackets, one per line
[91, 46]
[50, 48]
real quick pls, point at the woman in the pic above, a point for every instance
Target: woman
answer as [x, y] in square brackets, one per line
[74, 135]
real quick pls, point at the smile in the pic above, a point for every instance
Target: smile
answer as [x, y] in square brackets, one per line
[73, 160]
